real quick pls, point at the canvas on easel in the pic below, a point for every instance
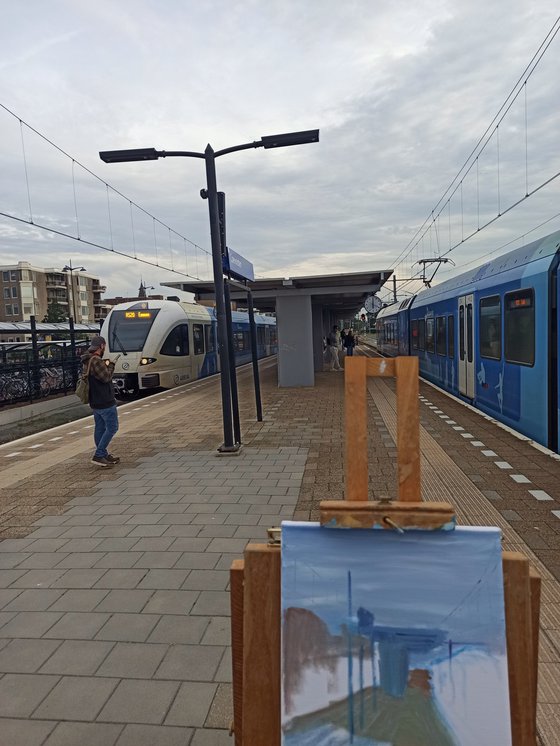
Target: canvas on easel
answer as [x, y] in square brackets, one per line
[393, 639]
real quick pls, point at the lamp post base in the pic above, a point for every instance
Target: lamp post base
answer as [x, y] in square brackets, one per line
[230, 450]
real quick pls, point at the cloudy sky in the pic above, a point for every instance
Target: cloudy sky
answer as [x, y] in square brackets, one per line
[401, 91]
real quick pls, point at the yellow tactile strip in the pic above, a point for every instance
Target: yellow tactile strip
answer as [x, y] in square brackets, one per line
[443, 480]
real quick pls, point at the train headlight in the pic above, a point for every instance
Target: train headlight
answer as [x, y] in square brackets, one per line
[147, 360]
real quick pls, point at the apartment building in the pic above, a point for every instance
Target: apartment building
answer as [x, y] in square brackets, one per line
[26, 290]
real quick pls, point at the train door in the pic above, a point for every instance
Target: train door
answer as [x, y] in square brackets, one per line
[466, 346]
[197, 353]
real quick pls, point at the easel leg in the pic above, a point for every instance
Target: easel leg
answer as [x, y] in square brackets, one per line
[236, 598]
[520, 648]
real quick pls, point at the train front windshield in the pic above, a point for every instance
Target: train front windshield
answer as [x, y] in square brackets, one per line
[128, 330]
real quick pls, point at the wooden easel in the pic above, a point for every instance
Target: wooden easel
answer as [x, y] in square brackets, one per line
[255, 580]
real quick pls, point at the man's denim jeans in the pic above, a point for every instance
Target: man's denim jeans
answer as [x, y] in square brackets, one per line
[106, 425]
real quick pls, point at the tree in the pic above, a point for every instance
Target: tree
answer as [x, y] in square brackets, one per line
[55, 313]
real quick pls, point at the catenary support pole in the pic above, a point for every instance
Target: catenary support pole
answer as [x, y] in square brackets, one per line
[254, 355]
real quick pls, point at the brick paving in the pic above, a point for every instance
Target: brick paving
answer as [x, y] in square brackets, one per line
[114, 608]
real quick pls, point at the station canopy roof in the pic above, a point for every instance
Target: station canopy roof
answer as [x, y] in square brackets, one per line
[340, 293]
[24, 327]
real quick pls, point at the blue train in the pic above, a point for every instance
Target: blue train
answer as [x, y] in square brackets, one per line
[162, 344]
[490, 337]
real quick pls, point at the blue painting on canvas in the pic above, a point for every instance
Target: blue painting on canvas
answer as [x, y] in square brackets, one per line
[391, 639]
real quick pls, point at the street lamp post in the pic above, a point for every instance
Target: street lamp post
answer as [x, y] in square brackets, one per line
[211, 193]
[71, 269]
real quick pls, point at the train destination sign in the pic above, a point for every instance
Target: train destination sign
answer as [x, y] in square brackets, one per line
[237, 265]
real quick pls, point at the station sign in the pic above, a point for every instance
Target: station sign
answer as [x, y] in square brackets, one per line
[237, 265]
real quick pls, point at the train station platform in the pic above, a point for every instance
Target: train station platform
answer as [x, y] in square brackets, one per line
[114, 604]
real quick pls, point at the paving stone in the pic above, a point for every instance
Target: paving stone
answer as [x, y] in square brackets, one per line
[34, 599]
[79, 560]
[186, 544]
[171, 602]
[21, 693]
[218, 631]
[133, 660]
[84, 734]
[77, 657]
[78, 578]
[191, 704]
[24, 732]
[30, 624]
[39, 560]
[158, 560]
[140, 701]
[224, 672]
[164, 579]
[197, 561]
[128, 627]
[26, 656]
[121, 578]
[123, 600]
[192, 662]
[221, 710]
[118, 560]
[186, 530]
[153, 530]
[177, 629]
[206, 580]
[212, 603]
[77, 625]
[76, 697]
[35, 578]
[152, 735]
[79, 600]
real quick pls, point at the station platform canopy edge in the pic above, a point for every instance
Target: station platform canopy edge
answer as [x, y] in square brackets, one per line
[339, 293]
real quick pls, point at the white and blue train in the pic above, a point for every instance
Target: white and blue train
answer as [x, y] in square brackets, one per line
[490, 336]
[164, 343]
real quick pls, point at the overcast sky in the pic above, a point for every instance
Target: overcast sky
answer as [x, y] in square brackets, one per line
[401, 92]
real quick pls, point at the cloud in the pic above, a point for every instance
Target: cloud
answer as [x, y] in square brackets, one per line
[401, 93]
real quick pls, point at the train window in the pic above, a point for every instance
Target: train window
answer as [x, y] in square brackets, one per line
[241, 341]
[198, 339]
[430, 339]
[490, 329]
[421, 334]
[469, 332]
[519, 327]
[260, 336]
[414, 333]
[440, 335]
[209, 338]
[177, 341]
[128, 330]
[450, 336]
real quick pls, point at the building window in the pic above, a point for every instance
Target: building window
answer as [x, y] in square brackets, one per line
[7, 293]
[421, 334]
[83, 296]
[6, 276]
[27, 309]
[440, 335]
[450, 337]
[177, 341]
[16, 309]
[13, 275]
[14, 292]
[198, 339]
[8, 310]
[430, 338]
[490, 335]
[519, 327]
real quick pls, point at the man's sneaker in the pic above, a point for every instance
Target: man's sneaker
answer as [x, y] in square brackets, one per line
[100, 461]
[113, 459]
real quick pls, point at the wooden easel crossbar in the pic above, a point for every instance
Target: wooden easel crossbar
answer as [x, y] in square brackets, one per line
[255, 580]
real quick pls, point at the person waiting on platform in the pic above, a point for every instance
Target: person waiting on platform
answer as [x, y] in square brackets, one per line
[349, 342]
[101, 400]
[332, 355]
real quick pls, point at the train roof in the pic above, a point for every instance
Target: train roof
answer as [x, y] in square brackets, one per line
[532, 252]
[193, 310]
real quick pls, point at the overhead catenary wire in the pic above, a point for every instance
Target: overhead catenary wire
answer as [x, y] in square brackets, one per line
[77, 237]
[483, 141]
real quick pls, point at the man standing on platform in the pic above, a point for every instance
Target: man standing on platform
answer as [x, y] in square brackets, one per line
[333, 343]
[101, 400]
